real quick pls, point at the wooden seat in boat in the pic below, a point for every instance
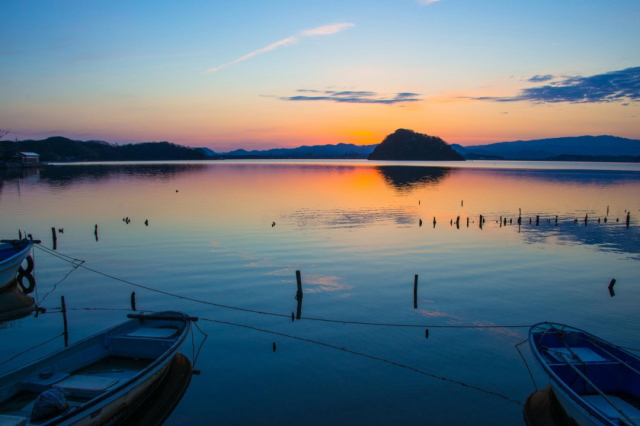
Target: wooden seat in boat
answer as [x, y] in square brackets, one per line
[154, 333]
[601, 404]
[42, 382]
[86, 385]
[585, 354]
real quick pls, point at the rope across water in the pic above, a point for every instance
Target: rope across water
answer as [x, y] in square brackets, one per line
[254, 311]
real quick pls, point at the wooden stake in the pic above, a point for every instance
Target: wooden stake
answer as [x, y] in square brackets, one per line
[64, 319]
[611, 284]
[299, 295]
[133, 301]
[415, 292]
[299, 281]
[55, 238]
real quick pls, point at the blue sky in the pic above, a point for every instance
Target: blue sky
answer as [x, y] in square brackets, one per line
[133, 71]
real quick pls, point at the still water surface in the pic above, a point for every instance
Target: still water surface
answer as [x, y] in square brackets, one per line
[359, 233]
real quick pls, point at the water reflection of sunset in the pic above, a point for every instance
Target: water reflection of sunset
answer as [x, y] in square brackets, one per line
[235, 233]
[225, 196]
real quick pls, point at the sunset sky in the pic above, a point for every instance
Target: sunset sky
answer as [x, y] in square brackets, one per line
[285, 73]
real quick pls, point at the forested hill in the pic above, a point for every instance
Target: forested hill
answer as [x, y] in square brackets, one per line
[58, 148]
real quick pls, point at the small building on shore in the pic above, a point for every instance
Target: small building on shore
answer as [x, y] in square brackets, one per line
[26, 158]
[23, 159]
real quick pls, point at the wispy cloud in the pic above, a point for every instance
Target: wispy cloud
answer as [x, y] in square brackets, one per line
[324, 30]
[354, 97]
[426, 2]
[614, 86]
[540, 78]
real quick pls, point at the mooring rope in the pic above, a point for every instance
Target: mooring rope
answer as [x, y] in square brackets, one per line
[254, 311]
[367, 356]
[525, 362]
[195, 354]
[75, 267]
[36, 346]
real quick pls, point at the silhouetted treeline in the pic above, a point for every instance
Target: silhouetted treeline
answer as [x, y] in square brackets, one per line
[58, 148]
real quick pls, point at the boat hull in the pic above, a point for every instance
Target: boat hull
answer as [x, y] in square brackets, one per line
[574, 409]
[597, 383]
[107, 413]
[10, 265]
[140, 349]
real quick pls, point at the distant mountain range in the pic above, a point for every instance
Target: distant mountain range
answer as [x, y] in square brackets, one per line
[341, 150]
[580, 148]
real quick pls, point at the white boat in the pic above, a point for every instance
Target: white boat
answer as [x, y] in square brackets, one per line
[101, 377]
[12, 254]
[596, 382]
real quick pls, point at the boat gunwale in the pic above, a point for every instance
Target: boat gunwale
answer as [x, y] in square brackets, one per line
[15, 260]
[28, 247]
[126, 385]
[590, 409]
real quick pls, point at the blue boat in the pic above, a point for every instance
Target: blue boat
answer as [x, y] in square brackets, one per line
[96, 380]
[596, 382]
[12, 254]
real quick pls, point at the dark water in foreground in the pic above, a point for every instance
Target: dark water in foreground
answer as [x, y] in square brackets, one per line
[354, 232]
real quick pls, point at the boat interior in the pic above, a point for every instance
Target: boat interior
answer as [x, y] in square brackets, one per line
[88, 369]
[592, 368]
[7, 250]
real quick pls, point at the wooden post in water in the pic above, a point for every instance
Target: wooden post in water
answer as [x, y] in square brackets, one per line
[537, 220]
[611, 284]
[415, 292]
[64, 319]
[299, 295]
[55, 238]
[19, 234]
[458, 222]
[95, 231]
[628, 218]
[133, 301]
[586, 218]
[467, 221]
[500, 221]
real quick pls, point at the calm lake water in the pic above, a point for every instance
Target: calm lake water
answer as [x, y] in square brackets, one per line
[359, 232]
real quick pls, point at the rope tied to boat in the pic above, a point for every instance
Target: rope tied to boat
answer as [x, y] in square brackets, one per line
[373, 357]
[535, 385]
[31, 348]
[288, 316]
